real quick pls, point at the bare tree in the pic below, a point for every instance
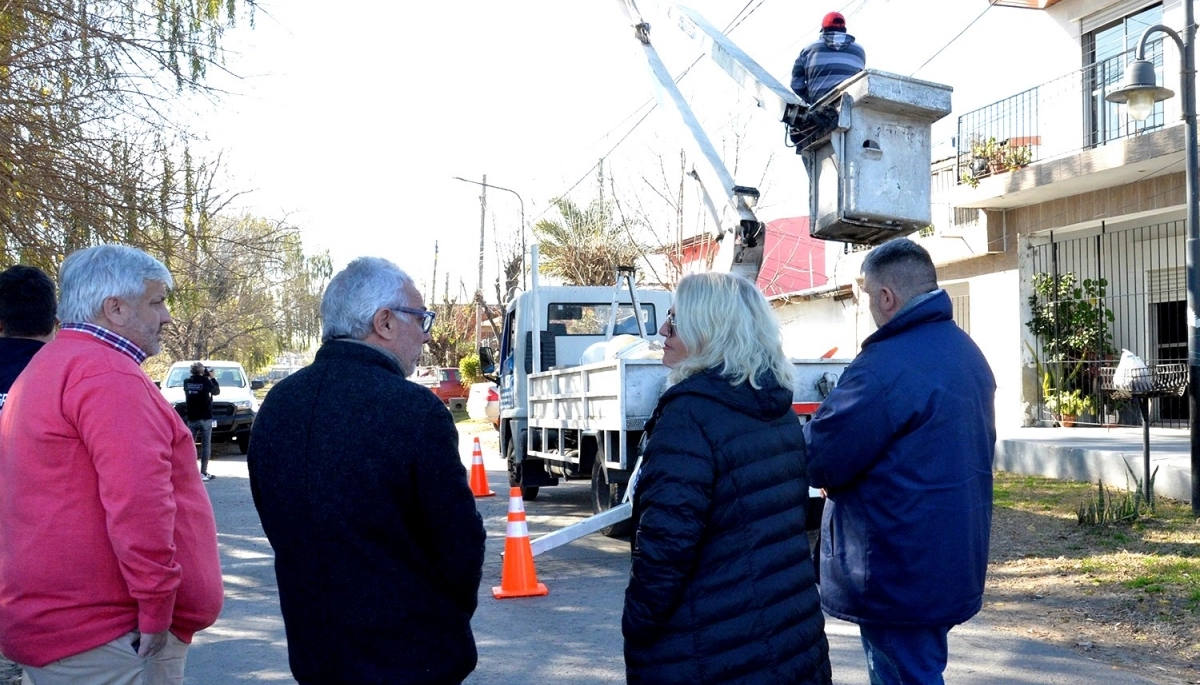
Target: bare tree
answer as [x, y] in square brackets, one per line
[245, 291]
[88, 151]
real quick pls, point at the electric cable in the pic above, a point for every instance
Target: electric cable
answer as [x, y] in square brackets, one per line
[651, 104]
[951, 41]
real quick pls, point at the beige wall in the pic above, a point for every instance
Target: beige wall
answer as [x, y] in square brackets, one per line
[1160, 192]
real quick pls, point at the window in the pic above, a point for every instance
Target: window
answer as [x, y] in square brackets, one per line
[960, 303]
[592, 319]
[1107, 50]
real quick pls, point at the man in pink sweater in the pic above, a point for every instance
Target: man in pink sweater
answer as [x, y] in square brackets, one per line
[108, 546]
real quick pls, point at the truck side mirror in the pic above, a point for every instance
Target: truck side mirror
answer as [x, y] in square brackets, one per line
[257, 384]
[487, 363]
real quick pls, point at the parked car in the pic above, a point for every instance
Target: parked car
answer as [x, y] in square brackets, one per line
[233, 409]
[483, 403]
[444, 382]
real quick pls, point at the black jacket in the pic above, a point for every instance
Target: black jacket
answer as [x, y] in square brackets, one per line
[378, 547]
[722, 588]
[199, 391]
[15, 354]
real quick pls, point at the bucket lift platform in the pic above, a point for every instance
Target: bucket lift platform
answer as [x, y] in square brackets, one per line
[869, 177]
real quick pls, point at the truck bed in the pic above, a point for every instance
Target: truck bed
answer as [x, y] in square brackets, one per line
[610, 395]
[620, 394]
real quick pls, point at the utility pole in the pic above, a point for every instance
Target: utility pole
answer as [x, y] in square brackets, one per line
[479, 289]
[433, 281]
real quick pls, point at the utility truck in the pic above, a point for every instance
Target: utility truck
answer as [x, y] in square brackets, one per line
[565, 417]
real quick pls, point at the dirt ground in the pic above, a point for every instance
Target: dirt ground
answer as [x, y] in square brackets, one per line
[1040, 585]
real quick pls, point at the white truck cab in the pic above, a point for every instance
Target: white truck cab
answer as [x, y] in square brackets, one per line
[568, 320]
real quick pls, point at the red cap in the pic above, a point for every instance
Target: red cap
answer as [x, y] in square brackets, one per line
[833, 21]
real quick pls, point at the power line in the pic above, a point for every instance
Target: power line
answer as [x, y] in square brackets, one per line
[985, 10]
[652, 104]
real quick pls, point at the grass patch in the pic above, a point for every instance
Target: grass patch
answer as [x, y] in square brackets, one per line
[1037, 494]
[1137, 577]
[1130, 586]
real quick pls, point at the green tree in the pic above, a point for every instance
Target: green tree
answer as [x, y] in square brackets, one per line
[587, 244]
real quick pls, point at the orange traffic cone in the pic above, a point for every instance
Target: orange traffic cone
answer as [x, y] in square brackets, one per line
[479, 483]
[518, 578]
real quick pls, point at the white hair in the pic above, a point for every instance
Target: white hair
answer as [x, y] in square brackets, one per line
[726, 323]
[355, 293]
[90, 276]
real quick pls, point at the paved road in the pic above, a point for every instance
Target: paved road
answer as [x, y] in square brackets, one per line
[572, 636]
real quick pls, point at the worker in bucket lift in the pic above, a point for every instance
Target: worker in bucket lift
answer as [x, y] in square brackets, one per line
[824, 64]
[820, 68]
[721, 589]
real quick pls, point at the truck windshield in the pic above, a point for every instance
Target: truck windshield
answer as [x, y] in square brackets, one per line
[592, 319]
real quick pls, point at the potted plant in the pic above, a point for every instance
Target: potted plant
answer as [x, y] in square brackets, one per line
[990, 157]
[1068, 405]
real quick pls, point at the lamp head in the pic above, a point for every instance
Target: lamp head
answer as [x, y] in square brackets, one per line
[747, 194]
[1139, 90]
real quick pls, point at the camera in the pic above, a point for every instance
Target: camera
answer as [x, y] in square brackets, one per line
[207, 371]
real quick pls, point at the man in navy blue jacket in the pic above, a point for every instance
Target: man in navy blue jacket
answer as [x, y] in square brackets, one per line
[903, 447]
[27, 309]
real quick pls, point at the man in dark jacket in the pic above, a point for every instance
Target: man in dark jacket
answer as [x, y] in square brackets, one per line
[27, 309]
[356, 475]
[823, 65]
[198, 391]
[903, 446]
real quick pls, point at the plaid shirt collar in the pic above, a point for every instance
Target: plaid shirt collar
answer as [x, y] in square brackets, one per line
[117, 342]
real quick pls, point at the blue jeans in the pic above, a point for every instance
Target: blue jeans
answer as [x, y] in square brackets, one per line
[905, 655]
[202, 431]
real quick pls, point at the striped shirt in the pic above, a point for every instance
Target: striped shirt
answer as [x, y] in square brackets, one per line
[822, 66]
[118, 342]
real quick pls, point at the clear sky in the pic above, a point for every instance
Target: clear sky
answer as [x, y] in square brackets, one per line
[351, 118]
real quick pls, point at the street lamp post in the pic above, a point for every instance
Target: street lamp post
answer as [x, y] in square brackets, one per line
[1140, 92]
[519, 199]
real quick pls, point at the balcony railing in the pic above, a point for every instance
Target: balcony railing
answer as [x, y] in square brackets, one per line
[1058, 118]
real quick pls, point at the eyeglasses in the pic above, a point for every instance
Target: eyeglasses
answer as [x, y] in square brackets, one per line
[427, 316]
[671, 325]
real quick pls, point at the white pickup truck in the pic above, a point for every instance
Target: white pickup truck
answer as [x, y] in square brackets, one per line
[233, 410]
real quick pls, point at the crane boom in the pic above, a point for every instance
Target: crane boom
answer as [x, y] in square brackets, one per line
[738, 231]
[771, 95]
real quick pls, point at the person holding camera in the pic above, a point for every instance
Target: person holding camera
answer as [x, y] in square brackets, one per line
[199, 389]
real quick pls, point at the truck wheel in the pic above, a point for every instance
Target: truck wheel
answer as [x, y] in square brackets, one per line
[528, 493]
[605, 496]
[243, 442]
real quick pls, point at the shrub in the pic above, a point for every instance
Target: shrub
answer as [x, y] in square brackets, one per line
[468, 368]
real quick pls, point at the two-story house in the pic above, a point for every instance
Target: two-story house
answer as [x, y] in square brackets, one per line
[1054, 193]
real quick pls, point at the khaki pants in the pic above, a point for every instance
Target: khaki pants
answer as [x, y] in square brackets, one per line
[114, 663]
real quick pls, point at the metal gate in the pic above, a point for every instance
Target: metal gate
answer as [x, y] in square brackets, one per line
[1095, 294]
